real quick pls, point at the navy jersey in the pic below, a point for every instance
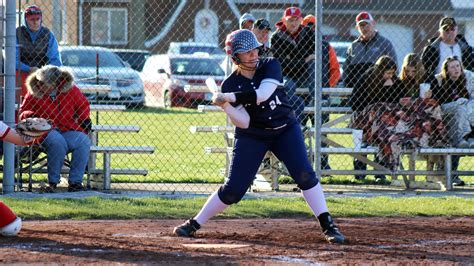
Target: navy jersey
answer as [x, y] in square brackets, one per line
[273, 114]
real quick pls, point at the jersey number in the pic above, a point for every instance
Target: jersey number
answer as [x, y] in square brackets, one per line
[273, 103]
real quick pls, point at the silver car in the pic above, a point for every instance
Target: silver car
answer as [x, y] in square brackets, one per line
[102, 76]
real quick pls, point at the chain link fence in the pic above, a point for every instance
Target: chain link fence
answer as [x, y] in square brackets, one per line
[387, 89]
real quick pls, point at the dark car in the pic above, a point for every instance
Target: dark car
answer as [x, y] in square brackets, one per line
[179, 80]
[135, 58]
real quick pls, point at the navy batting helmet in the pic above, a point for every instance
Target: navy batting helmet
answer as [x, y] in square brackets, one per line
[240, 41]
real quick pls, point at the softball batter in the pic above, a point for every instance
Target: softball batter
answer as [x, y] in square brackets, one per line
[253, 98]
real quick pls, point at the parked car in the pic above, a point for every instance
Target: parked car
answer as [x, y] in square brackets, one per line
[198, 49]
[102, 76]
[194, 47]
[135, 58]
[168, 77]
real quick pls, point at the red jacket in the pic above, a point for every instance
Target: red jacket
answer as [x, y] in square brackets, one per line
[68, 110]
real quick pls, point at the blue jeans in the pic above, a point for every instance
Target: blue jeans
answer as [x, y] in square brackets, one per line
[57, 145]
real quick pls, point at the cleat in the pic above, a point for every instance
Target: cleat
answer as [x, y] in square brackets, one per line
[330, 230]
[187, 229]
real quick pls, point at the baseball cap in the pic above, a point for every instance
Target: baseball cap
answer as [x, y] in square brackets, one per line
[262, 24]
[447, 22]
[292, 12]
[244, 18]
[364, 17]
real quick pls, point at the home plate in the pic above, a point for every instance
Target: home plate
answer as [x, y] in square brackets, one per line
[215, 245]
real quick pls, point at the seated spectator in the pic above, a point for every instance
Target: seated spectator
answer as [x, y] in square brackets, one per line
[391, 118]
[53, 95]
[412, 74]
[379, 84]
[452, 90]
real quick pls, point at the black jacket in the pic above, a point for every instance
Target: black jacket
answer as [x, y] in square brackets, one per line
[292, 52]
[366, 93]
[430, 56]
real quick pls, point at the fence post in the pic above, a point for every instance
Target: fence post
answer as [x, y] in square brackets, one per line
[9, 96]
[318, 84]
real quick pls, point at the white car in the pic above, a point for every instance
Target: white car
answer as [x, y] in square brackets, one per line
[207, 50]
[102, 76]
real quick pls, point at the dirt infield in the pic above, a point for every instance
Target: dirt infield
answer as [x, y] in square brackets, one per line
[277, 241]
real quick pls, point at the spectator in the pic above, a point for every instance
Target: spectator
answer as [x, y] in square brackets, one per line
[448, 43]
[280, 48]
[309, 21]
[36, 45]
[293, 45]
[331, 75]
[453, 89]
[53, 95]
[364, 51]
[412, 75]
[379, 84]
[246, 21]
[262, 29]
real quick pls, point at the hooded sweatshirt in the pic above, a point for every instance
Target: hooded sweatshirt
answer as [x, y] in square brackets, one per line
[36, 49]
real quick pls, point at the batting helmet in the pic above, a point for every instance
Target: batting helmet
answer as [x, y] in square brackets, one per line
[240, 41]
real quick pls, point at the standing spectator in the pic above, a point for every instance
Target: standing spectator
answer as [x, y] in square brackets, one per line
[379, 84]
[309, 21]
[412, 74]
[287, 27]
[246, 21]
[36, 46]
[448, 43]
[264, 122]
[361, 55]
[331, 69]
[53, 95]
[364, 51]
[262, 29]
[293, 45]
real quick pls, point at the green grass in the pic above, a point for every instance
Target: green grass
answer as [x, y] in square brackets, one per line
[180, 156]
[160, 208]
